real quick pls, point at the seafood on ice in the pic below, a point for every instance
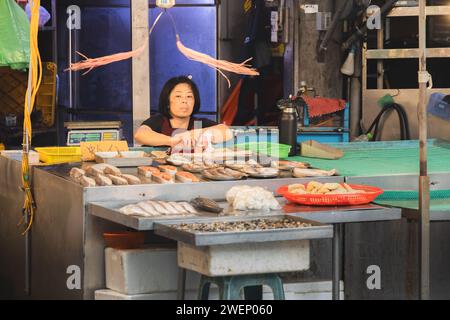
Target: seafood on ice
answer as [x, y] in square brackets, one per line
[178, 160]
[186, 177]
[158, 209]
[262, 172]
[206, 205]
[302, 173]
[76, 174]
[103, 175]
[147, 172]
[162, 177]
[242, 165]
[168, 169]
[289, 165]
[131, 179]
[244, 198]
[198, 167]
[159, 154]
[223, 174]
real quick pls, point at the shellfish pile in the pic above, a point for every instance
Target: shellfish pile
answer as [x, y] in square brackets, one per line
[240, 226]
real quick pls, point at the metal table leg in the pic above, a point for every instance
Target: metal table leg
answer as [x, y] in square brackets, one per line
[336, 261]
[181, 284]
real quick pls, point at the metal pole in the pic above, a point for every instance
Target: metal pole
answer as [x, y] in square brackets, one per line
[141, 64]
[336, 262]
[424, 180]
[181, 283]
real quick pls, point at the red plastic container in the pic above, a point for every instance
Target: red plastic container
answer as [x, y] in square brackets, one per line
[333, 199]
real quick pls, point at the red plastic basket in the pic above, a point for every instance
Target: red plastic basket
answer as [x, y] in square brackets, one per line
[333, 199]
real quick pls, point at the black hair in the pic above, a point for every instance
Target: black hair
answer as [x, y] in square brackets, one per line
[164, 97]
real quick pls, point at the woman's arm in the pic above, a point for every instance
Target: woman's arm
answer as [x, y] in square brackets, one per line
[146, 136]
[220, 133]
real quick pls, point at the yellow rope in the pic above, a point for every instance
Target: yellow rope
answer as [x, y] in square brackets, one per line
[30, 98]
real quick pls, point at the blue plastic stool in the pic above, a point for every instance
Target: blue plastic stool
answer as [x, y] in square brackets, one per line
[230, 287]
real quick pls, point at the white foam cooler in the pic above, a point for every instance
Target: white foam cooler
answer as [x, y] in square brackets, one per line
[144, 271]
[246, 258]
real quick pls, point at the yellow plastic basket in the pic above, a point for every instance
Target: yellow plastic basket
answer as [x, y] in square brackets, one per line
[55, 155]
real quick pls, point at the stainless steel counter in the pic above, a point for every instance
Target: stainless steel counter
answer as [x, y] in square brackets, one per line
[64, 235]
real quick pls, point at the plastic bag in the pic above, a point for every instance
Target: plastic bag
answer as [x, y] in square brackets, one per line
[14, 36]
[44, 15]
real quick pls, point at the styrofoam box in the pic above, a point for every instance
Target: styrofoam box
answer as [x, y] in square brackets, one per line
[33, 156]
[144, 271]
[246, 258]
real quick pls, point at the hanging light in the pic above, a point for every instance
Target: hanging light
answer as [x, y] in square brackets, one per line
[165, 4]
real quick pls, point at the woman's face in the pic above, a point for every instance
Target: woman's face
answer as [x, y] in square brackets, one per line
[182, 101]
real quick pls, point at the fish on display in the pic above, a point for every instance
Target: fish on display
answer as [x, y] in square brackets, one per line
[289, 165]
[193, 167]
[147, 171]
[168, 169]
[262, 172]
[206, 205]
[131, 179]
[162, 177]
[118, 181]
[223, 174]
[186, 177]
[158, 209]
[159, 154]
[103, 181]
[178, 160]
[302, 173]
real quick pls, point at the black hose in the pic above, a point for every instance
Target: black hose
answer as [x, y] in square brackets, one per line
[403, 121]
[334, 23]
[361, 31]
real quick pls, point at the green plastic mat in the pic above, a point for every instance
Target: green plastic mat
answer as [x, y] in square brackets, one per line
[435, 204]
[384, 158]
[439, 199]
[268, 148]
[412, 195]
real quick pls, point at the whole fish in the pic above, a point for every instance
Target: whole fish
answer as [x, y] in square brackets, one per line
[206, 205]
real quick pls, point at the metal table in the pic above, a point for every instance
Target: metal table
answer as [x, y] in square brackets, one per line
[339, 216]
[410, 182]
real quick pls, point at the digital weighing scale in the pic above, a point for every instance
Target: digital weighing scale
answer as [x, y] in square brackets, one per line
[93, 131]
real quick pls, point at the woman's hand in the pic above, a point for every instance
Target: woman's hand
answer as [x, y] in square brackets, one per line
[186, 140]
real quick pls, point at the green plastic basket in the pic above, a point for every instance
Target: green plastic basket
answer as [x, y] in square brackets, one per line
[267, 148]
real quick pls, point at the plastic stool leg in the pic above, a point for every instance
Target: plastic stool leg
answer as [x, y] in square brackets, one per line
[276, 284]
[203, 291]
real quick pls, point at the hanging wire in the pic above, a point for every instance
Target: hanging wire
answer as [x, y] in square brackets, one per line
[34, 82]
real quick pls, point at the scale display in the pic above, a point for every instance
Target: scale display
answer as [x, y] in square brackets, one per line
[74, 138]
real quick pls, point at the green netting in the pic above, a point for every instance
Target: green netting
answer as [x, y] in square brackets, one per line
[384, 158]
[412, 195]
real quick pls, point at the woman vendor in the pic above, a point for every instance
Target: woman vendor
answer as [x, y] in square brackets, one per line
[176, 126]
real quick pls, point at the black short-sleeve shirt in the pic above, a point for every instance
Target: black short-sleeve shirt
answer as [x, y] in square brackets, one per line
[161, 124]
